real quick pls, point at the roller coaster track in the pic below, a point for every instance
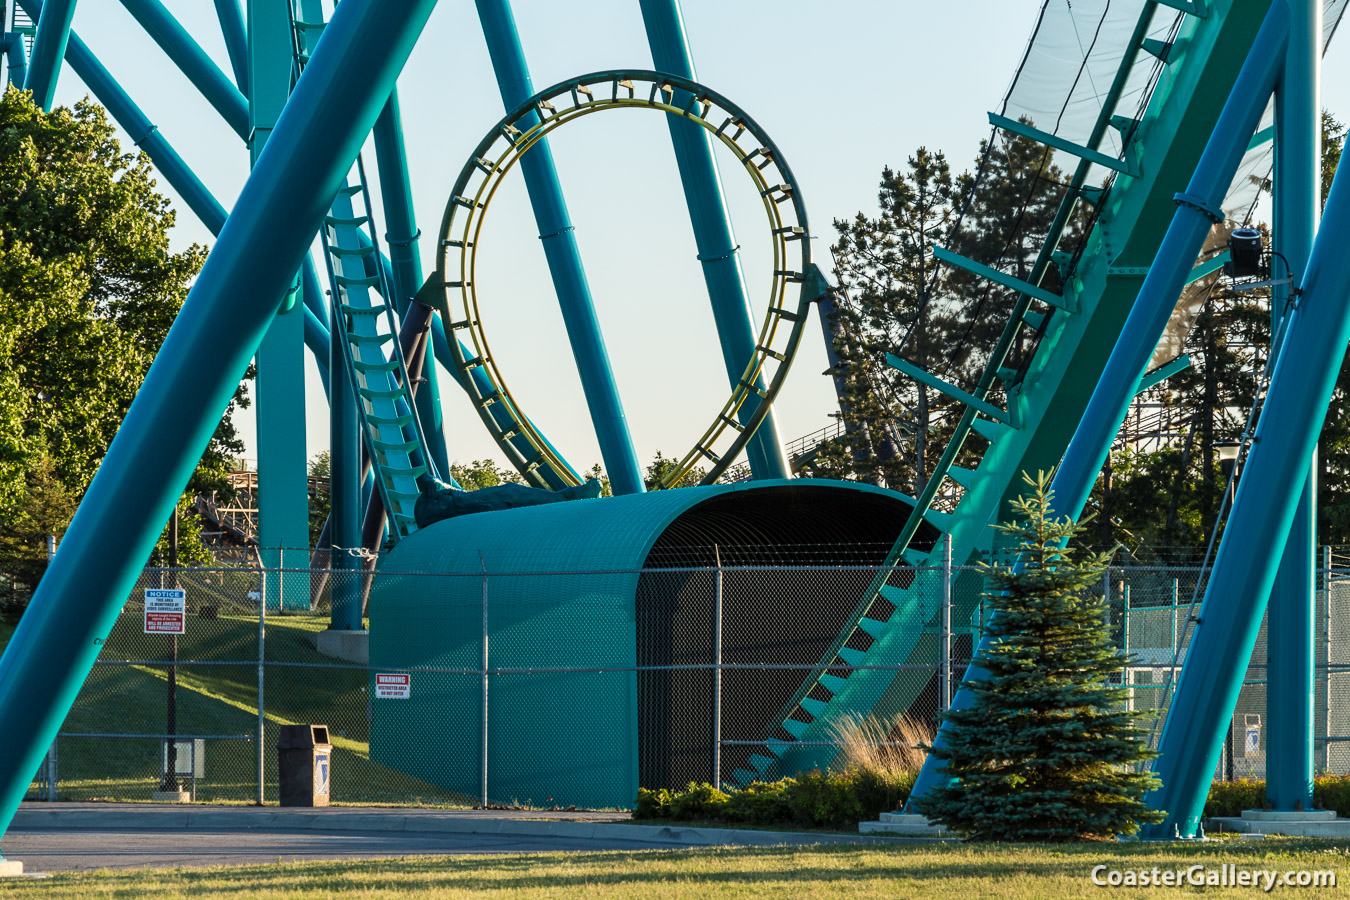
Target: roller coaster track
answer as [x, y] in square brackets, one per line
[1045, 397]
[462, 231]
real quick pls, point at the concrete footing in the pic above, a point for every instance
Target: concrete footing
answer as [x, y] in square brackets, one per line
[903, 825]
[10, 868]
[1298, 823]
[349, 646]
[171, 797]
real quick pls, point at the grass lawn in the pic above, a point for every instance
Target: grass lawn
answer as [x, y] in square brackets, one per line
[222, 699]
[933, 872]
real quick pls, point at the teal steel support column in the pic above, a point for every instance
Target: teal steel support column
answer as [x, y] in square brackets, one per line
[1289, 640]
[345, 475]
[227, 313]
[717, 248]
[283, 496]
[396, 192]
[49, 47]
[16, 60]
[564, 259]
[1263, 511]
[192, 60]
[1198, 209]
[231, 16]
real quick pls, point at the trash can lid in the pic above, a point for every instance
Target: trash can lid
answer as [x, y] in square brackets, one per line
[302, 737]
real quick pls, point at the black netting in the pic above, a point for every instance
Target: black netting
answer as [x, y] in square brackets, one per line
[1020, 214]
[1081, 81]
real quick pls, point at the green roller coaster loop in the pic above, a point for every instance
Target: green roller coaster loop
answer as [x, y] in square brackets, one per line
[521, 129]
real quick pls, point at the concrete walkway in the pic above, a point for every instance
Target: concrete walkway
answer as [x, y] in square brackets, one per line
[81, 836]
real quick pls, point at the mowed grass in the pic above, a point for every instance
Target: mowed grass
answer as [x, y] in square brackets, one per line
[222, 699]
[933, 872]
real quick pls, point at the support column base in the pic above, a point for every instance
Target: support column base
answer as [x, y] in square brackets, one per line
[1297, 823]
[171, 796]
[10, 868]
[904, 825]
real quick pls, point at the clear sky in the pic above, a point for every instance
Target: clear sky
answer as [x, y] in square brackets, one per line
[843, 87]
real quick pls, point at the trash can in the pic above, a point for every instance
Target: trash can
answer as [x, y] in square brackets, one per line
[304, 764]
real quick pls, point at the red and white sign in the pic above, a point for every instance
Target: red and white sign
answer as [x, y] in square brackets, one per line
[393, 687]
[164, 611]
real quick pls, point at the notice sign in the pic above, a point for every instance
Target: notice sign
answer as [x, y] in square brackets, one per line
[164, 610]
[393, 687]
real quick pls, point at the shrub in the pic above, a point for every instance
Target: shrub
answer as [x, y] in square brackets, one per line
[1332, 792]
[652, 804]
[824, 800]
[1230, 798]
[698, 801]
[760, 803]
[815, 800]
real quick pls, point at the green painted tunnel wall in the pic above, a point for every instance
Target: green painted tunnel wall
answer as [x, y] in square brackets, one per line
[563, 592]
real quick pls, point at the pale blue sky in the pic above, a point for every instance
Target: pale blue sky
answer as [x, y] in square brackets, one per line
[844, 88]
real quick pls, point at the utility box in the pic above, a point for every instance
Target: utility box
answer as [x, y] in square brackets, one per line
[304, 765]
[1247, 735]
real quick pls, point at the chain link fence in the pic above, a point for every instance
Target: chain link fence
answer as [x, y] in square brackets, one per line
[574, 688]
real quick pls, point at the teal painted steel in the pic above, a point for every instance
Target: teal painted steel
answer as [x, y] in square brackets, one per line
[562, 590]
[564, 260]
[193, 377]
[1289, 639]
[717, 248]
[49, 47]
[1149, 315]
[1263, 511]
[405, 265]
[345, 469]
[279, 388]
[376, 375]
[192, 60]
[231, 16]
[16, 60]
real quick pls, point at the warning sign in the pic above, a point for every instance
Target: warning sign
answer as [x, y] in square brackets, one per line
[164, 610]
[393, 687]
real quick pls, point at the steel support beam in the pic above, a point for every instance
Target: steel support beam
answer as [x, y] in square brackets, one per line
[207, 350]
[49, 48]
[16, 59]
[1196, 212]
[1263, 511]
[1289, 640]
[231, 16]
[717, 248]
[192, 60]
[283, 498]
[406, 267]
[564, 259]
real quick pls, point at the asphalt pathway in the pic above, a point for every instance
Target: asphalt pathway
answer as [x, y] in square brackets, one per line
[77, 850]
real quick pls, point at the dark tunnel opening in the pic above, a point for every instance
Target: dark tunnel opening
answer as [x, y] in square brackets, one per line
[769, 615]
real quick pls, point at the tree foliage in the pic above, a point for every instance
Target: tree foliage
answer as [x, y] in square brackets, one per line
[88, 290]
[1044, 752]
[942, 319]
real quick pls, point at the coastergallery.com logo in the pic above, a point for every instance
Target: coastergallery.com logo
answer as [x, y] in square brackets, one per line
[1227, 875]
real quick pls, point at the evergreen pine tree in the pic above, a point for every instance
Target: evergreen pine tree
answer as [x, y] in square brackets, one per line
[1046, 750]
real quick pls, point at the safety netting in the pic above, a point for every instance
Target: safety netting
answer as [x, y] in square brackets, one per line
[1088, 73]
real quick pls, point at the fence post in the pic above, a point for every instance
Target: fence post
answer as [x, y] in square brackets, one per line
[1326, 645]
[945, 673]
[262, 656]
[51, 772]
[51, 752]
[484, 774]
[717, 672]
